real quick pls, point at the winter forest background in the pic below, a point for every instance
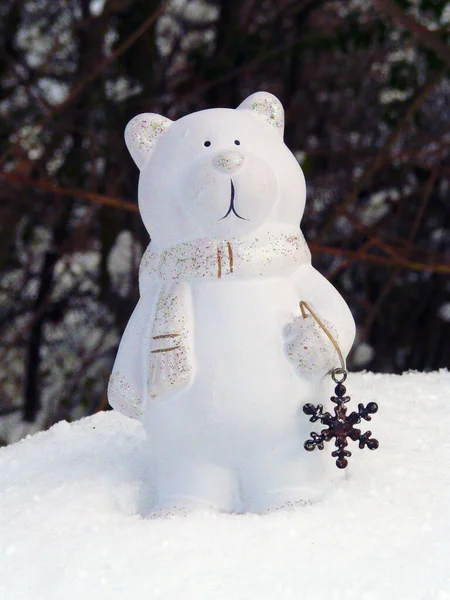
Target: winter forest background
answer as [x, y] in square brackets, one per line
[365, 85]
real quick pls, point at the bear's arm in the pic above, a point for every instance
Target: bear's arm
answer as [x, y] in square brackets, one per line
[327, 303]
[127, 389]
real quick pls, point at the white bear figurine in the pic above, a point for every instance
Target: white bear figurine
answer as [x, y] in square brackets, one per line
[217, 360]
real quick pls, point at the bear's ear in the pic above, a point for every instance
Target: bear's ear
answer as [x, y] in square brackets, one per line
[142, 133]
[267, 107]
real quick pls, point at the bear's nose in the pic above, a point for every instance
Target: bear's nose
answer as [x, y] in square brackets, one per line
[228, 161]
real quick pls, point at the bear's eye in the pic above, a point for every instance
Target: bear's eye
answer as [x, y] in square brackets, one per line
[207, 143]
[237, 142]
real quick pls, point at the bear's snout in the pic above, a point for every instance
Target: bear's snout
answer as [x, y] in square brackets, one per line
[228, 161]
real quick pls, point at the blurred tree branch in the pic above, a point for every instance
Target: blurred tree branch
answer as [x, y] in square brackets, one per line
[430, 39]
[47, 186]
[80, 87]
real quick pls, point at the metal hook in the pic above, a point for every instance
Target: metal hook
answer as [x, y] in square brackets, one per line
[336, 372]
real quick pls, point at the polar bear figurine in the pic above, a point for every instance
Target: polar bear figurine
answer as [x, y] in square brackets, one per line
[217, 359]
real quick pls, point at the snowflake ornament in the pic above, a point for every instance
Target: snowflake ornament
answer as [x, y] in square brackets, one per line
[340, 426]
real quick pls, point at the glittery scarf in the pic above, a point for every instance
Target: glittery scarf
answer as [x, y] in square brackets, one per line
[171, 349]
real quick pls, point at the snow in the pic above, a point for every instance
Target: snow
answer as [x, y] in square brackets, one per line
[444, 311]
[363, 354]
[74, 503]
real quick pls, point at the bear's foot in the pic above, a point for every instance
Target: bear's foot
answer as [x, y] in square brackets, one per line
[182, 507]
[190, 486]
[285, 499]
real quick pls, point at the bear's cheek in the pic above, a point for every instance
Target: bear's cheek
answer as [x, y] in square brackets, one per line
[205, 193]
[256, 194]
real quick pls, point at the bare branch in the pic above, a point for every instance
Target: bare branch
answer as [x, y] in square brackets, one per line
[72, 193]
[430, 39]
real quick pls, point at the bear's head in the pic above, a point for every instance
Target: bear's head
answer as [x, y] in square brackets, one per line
[218, 173]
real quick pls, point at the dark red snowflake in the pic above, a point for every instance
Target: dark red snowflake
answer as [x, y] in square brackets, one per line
[340, 426]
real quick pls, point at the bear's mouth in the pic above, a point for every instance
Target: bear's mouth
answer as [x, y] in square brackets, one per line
[231, 208]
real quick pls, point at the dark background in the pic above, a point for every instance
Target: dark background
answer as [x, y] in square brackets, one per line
[366, 90]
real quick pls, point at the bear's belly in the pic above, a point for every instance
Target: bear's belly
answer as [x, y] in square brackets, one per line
[238, 345]
[244, 393]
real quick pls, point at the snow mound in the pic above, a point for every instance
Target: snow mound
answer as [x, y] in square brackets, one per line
[72, 500]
